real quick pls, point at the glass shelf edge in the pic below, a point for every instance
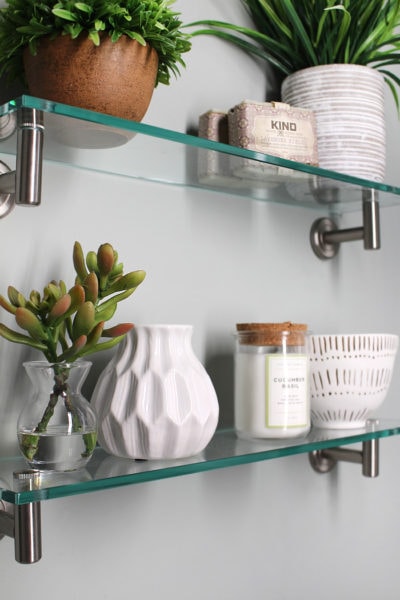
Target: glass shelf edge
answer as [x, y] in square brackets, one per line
[26, 101]
[263, 450]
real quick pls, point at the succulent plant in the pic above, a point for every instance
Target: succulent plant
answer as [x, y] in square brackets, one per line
[67, 324]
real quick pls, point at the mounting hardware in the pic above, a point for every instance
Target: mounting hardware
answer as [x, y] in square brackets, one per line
[8, 125]
[325, 460]
[23, 522]
[23, 186]
[7, 189]
[6, 519]
[30, 135]
[326, 238]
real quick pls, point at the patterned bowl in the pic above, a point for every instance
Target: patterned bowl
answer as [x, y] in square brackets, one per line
[349, 376]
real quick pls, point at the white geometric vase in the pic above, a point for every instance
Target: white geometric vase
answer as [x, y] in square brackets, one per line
[348, 101]
[155, 400]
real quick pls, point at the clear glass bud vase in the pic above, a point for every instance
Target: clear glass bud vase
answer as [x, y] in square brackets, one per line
[57, 429]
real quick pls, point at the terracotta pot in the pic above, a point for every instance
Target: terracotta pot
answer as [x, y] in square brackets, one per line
[348, 101]
[113, 78]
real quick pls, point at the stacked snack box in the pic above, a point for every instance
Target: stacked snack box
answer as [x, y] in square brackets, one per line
[273, 128]
[213, 125]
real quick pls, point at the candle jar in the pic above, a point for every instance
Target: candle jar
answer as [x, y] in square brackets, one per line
[272, 397]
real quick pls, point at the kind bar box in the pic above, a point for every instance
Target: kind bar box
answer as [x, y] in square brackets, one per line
[274, 128]
[213, 125]
[213, 166]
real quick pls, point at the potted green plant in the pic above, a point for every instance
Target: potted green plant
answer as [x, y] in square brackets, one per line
[57, 430]
[313, 39]
[98, 54]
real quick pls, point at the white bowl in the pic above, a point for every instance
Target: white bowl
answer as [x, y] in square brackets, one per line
[349, 376]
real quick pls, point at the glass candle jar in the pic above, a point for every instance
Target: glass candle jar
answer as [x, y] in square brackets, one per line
[272, 397]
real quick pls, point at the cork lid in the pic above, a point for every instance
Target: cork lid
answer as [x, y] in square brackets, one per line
[272, 334]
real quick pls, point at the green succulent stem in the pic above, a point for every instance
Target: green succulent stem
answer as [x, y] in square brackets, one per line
[60, 388]
[60, 391]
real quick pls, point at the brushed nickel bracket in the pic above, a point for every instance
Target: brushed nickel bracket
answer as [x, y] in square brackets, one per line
[30, 134]
[323, 461]
[23, 523]
[22, 187]
[325, 237]
[7, 190]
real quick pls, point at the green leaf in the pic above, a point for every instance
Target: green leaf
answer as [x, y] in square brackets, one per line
[64, 14]
[129, 281]
[91, 287]
[82, 6]
[136, 36]
[84, 320]
[91, 261]
[15, 297]
[94, 36]
[100, 347]
[60, 309]
[99, 25]
[19, 338]
[35, 29]
[29, 321]
[341, 34]
[7, 305]
[74, 30]
[106, 310]
[79, 261]
[393, 82]
[72, 353]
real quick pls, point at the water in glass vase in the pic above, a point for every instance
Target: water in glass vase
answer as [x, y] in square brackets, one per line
[56, 449]
[57, 427]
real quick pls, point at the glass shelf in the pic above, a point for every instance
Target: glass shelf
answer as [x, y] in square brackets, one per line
[101, 143]
[225, 450]
[93, 141]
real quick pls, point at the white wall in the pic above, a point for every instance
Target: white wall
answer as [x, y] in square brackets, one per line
[274, 529]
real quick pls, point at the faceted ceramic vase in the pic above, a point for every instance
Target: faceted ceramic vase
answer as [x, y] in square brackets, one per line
[155, 399]
[348, 101]
[57, 429]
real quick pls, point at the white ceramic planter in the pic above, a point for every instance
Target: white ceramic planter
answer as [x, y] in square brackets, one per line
[155, 399]
[348, 101]
[350, 377]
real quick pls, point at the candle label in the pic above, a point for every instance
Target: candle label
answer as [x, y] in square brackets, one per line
[286, 390]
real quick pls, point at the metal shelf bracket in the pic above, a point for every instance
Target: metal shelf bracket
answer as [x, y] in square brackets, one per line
[23, 523]
[325, 237]
[23, 186]
[323, 461]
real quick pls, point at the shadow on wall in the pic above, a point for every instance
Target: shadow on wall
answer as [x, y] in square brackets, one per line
[220, 369]
[9, 91]
[14, 389]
